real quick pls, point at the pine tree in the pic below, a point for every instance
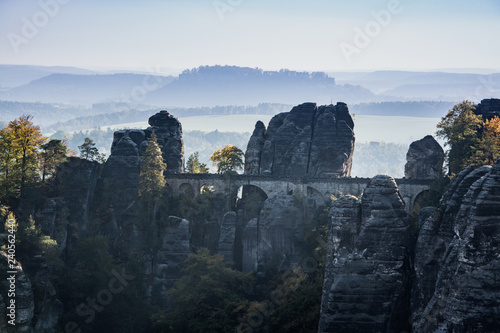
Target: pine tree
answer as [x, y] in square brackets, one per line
[151, 178]
[88, 151]
[53, 153]
[193, 164]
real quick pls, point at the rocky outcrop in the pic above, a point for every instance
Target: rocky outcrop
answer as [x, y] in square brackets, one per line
[120, 177]
[424, 159]
[367, 274]
[24, 300]
[275, 239]
[488, 108]
[173, 238]
[250, 244]
[227, 236]
[254, 149]
[168, 132]
[456, 287]
[308, 140]
[281, 231]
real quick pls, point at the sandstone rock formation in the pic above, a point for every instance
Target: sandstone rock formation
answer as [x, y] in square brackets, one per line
[275, 239]
[24, 299]
[424, 159]
[173, 239]
[120, 177]
[168, 132]
[227, 236]
[367, 267]
[488, 108]
[456, 286]
[308, 140]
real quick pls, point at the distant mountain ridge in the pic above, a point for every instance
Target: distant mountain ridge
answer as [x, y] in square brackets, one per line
[199, 87]
[231, 85]
[209, 86]
[86, 89]
[16, 75]
[425, 85]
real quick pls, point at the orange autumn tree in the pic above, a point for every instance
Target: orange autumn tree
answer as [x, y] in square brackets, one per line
[488, 149]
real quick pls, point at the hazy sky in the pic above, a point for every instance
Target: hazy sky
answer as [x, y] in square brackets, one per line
[294, 34]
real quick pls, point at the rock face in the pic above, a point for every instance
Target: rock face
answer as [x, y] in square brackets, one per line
[424, 159]
[120, 177]
[275, 239]
[367, 275]
[457, 265]
[227, 236]
[24, 299]
[308, 140]
[168, 132]
[173, 239]
[488, 108]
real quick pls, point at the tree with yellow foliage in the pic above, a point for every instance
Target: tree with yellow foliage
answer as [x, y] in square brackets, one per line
[472, 141]
[229, 158]
[488, 149]
[20, 142]
[151, 178]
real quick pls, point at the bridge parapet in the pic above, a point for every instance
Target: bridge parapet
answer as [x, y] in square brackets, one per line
[319, 186]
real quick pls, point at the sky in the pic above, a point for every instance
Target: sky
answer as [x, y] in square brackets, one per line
[310, 35]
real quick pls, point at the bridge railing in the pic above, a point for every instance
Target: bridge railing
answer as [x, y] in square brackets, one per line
[297, 180]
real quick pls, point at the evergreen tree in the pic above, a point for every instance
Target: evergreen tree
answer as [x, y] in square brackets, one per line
[229, 158]
[151, 178]
[53, 153]
[193, 164]
[88, 151]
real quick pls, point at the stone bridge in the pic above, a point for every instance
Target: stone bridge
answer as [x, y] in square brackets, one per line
[319, 188]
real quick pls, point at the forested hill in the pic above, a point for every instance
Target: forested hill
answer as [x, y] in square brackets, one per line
[226, 85]
[86, 89]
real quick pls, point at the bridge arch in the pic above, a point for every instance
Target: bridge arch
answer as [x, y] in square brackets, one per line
[250, 199]
[316, 195]
[187, 190]
[207, 188]
[428, 195]
[409, 188]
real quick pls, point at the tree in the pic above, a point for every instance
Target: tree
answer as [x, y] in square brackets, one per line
[53, 153]
[88, 151]
[488, 149]
[461, 130]
[151, 178]
[229, 158]
[7, 160]
[20, 142]
[209, 296]
[193, 164]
